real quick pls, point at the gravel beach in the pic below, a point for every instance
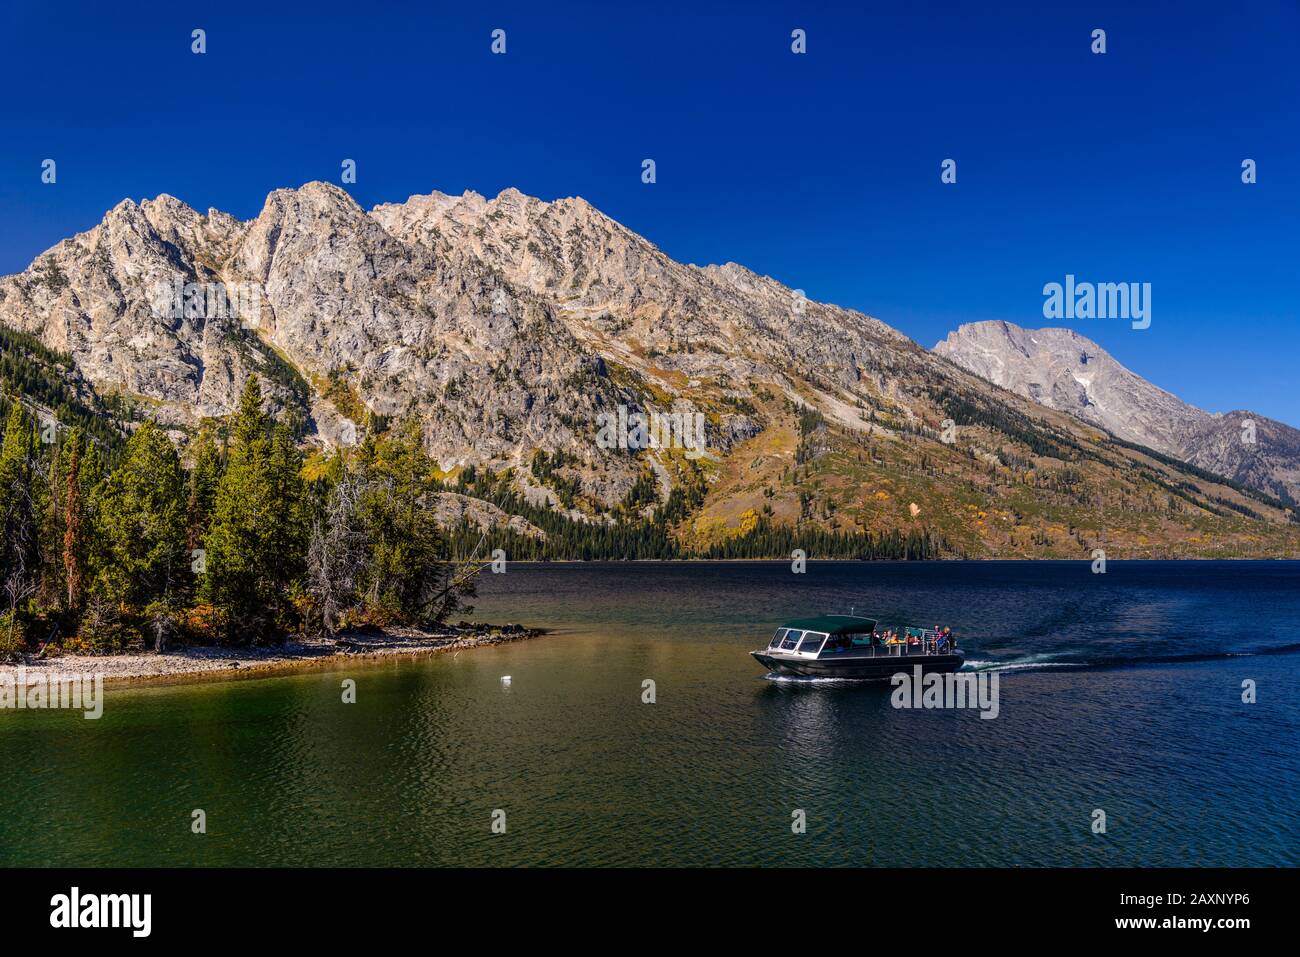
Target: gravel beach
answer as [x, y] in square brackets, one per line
[196, 663]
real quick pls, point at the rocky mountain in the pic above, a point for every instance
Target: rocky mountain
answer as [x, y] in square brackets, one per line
[526, 337]
[1061, 369]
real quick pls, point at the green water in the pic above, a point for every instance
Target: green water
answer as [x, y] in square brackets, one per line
[586, 773]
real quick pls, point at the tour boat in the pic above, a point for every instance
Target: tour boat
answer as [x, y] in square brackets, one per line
[846, 646]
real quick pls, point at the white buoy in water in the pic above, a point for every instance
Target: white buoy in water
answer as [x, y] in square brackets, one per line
[505, 681]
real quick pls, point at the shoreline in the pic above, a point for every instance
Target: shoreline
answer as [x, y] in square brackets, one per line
[298, 654]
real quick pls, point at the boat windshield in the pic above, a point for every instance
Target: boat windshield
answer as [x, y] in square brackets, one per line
[812, 642]
[776, 639]
[791, 639]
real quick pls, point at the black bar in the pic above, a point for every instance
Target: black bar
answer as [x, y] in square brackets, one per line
[372, 906]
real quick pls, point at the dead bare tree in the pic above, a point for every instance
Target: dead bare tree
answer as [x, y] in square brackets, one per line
[336, 556]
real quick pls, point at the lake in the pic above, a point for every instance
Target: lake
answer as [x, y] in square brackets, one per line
[1119, 693]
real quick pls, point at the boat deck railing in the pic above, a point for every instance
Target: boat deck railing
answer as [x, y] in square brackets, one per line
[927, 644]
[903, 650]
[903, 643]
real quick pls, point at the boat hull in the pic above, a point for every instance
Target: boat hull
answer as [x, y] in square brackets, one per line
[880, 668]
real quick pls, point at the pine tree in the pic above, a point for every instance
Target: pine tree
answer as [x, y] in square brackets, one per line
[140, 528]
[52, 589]
[92, 470]
[288, 534]
[409, 577]
[19, 554]
[255, 541]
[204, 478]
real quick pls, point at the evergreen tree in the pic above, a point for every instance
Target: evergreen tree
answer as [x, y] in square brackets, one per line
[288, 534]
[91, 472]
[204, 477]
[409, 577]
[52, 589]
[19, 507]
[255, 540]
[140, 528]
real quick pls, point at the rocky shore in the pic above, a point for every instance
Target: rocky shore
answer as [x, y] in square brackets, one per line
[195, 663]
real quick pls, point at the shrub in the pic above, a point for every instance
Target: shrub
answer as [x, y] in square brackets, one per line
[13, 638]
[102, 629]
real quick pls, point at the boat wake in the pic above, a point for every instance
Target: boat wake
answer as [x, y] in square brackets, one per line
[810, 679]
[1048, 661]
[1021, 664]
[1056, 662]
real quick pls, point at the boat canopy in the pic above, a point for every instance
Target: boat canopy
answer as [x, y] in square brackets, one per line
[834, 624]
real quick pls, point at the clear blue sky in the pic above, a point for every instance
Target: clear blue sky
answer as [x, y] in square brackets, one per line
[821, 170]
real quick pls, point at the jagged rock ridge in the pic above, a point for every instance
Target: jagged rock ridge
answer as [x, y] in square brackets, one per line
[1063, 370]
[507, 327]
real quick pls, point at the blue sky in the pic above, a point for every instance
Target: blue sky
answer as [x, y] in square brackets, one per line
[821, 170]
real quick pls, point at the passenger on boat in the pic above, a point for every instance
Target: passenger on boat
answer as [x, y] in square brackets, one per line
[944, 640]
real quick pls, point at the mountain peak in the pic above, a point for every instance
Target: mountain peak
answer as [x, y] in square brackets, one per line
[166, 201]
[510, 326]
[315, 193]
[1063, 370]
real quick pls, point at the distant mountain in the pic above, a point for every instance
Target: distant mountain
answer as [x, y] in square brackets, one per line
[513, 330]
[1062, 370]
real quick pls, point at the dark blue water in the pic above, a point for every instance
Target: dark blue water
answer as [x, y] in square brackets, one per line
[1120, 693]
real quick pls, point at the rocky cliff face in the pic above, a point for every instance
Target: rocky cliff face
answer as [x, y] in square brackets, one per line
[1062, 370]
[510, 326]
[349, 321]
[495, 322]
[90, 297]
